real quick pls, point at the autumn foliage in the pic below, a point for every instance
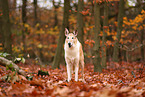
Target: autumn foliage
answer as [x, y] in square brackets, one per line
[123, 80]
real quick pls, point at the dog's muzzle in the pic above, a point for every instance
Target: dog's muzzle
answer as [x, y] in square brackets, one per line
[69, 44]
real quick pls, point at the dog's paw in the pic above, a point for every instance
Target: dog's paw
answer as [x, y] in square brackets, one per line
[82, 80]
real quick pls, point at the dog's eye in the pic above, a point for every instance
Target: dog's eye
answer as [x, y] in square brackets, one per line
[72, 37]
[67, 37]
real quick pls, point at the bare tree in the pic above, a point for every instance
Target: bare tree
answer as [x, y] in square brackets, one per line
[1, 33]
[65, 24]
[142, 31]
[119, 29]
[96, 49]
[141, 40]
[105, 29]
[80, 22]
[6, 27]
[24, 20]
[56, 6]
[14, 4]
[35, 12]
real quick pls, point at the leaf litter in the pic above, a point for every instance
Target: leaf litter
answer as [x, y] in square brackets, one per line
[120, 80]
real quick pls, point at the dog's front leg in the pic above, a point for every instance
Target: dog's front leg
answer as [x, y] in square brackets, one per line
[82, 71]
[68, 65]
[68, 72]
[76, 70]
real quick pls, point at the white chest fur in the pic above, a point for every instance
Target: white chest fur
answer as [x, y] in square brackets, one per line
[72, 52]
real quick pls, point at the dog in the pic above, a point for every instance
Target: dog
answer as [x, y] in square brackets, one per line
[73, 55]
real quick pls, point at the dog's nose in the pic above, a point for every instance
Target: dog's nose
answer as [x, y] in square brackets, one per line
[69, 44]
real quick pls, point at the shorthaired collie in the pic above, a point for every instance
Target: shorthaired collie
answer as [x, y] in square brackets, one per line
[73, 55]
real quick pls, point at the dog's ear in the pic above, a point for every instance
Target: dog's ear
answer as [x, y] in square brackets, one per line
[66, 31]
[75, 32]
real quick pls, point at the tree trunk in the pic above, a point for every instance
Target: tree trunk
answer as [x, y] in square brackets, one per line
[14, 4]
[35, 12]
[80, 22]
[24, 20]
[139, 9]
[1, 32]
[124, 55]
[6, 28]
[105, 29]
[11, 65]
[40, 55]
[142, 47]
[55, 17]
[142, 34]
[56, 6]
[65, 24]
[89, 48]
[96, 49]
[119, 29]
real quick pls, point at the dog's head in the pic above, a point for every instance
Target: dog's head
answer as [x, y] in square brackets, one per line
[71, 38]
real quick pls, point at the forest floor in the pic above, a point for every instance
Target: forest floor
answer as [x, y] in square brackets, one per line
[118, 80]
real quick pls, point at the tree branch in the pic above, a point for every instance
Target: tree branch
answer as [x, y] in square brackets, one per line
[5, 62]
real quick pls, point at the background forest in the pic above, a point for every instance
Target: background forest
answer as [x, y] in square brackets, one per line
[112, 33]
[33, 30]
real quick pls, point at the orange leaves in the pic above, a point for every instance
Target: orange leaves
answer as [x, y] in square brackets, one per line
[85, 12]
[53, 46]
[19, 89]
[108, 42]
[1, 46]
[90, 42]
[62, 91]
[106, 27]
[140, 28]
[119, 80]
[132, 27]
[97, 1]
[135, 23]
[121, 41]
[101, 1]
[102, 17]
[72, 20]
[1, 14]
[143, 11]
[114, 37]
